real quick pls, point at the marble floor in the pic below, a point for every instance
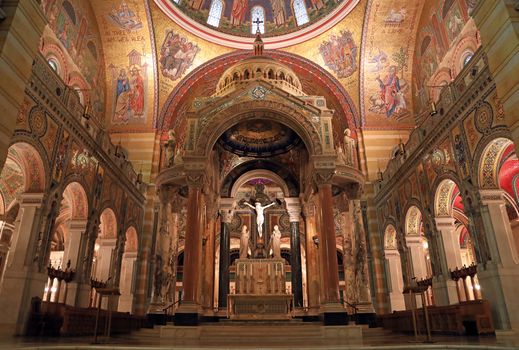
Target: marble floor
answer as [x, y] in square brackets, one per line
[372, 339]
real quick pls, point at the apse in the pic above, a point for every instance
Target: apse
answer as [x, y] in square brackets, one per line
[259, 138]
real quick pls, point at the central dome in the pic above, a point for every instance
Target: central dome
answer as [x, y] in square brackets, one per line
[233, 23]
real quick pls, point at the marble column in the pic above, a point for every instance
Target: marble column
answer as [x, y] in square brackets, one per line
[396, 295]
[22, 280]
[451, 242]
[20, 34]
[449, 254]
[294, 212]
[187, 313]
[209, 257]
[499, 277]
[125, 284]
[312, 258]
[76, 230]
[364, 304]
[331, 308]
[226, 215]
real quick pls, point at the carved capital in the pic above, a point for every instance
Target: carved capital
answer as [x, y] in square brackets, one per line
[491, 196]
[293, 206]
[323, 177]
[227, 206]
[166, 193]
[195, 179]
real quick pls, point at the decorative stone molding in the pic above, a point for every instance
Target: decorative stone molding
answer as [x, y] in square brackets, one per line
[323, 177]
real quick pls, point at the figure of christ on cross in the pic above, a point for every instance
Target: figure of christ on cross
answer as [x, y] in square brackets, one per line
[260, 217]
[257, 22]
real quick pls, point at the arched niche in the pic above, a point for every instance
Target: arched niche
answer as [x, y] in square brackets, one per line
[24, 172]
[72, 221]
[275, 171]
[417, 244]
[499, 170]
[262, 173]
[105, 246]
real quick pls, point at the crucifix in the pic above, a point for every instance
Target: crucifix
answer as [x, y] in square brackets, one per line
[257, 22]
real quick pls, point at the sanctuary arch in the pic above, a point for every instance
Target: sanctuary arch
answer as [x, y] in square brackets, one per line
[260, 139]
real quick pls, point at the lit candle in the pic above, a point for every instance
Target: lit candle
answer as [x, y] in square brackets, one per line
[268, 270]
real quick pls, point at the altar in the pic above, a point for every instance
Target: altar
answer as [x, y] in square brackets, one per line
[260, 292]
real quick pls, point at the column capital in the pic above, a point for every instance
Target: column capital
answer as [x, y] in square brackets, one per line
[444, 222]
[293, 206]
[31, 199]
[78, 224]
[227, 206]
[166, 193]
[413, 240]
[493, 196]
[323, 177]
[195, 179]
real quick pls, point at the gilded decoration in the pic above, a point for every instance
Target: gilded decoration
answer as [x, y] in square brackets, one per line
[460, 153]
[386, 74]
[340, 54]
[483, 118]
[473, 136]
[233, 23]
[75, 27]
[176, 55]
[390, 241]
[129, 78]
[413, 221]
[444, 198]
[488, 176]
[38, 121]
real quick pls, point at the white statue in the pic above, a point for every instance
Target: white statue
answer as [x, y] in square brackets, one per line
[275, 242]
[260, 217]
[349, 145]
[244, 242]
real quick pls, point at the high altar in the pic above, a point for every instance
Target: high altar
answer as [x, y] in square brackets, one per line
[260, 291]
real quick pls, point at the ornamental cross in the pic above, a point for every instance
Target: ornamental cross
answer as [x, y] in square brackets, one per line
[257, 22]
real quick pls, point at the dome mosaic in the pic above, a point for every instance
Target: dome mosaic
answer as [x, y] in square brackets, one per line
[235, 22]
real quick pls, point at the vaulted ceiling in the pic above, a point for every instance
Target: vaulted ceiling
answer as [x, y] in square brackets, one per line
[127, 57]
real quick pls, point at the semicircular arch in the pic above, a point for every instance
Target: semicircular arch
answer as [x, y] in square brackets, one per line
[269, 168]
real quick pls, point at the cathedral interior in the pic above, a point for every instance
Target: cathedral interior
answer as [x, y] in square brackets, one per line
[259, 173]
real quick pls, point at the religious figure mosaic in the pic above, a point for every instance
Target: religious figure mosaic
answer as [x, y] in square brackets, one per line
[176, 55]
[340, 54]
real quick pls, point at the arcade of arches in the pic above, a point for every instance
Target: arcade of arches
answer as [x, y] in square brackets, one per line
[359, 152]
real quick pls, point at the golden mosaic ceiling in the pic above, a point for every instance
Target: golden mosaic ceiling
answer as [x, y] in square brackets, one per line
[128, 56]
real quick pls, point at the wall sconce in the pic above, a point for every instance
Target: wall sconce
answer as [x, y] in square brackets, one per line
[315, 238]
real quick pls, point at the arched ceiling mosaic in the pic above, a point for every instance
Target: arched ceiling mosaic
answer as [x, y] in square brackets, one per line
[259, 138]
[129, 58]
